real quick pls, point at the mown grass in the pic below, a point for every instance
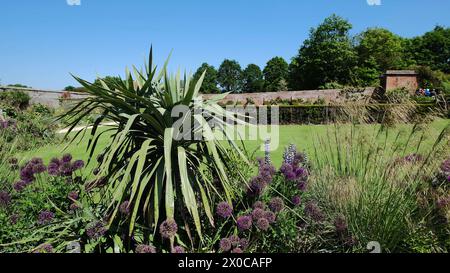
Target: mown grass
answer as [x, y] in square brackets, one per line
[303, 136]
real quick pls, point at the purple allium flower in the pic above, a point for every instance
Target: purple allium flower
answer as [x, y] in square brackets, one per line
[270, 216]
[74, 207]
[95, 230]
[340, 223]
[313, 211]
[26, 174]
[234, 239]
[244, 222]
[73, 195]
[168, 228]
[55, 161]
[45, 248]
[53, 169]
[45, 217]
[263, 224]
[36, 161]
[257, 214]
[225, 245]
[14, 218]
[224, 210]
[178, 250]
[276, 204]
[67, 158]
[5, 199]
[145, 249]
[296, 200]
[243, 242]
[257, 185]
[442, 202]
[301, 186]
[39, 168]
[65, 169]
[259, 205]
[286, 168]
[20, 186]
[125, 208]
[77, 165]
[237, 250]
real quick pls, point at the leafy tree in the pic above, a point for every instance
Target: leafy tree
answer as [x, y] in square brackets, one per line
[378, 50]
[108, 80]
[18, 85]
[230, 76]
[210, 81]
[276, 73]
[327, 56]
[432, 49]
[252, 79]
[69, 88]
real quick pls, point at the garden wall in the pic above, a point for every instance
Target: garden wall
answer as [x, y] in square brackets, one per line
[45, 97]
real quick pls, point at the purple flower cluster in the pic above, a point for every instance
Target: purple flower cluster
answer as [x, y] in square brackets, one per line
[264, 178]
[233, 243]
[96, 230]
[313, 210]
[296, 200]
[33, 167]
[276, 204]
[294, 167]
[443, 202]
[224, 210]
[45, 217]
[45, 248]
[20, 186]
[168, 228]
[5, 199]
[244, 222]
[178, 250]
[144, 249]
[64, 166]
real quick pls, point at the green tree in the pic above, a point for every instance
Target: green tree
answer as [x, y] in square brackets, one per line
[276, 74]
[230, 76]
[378, 50]
[69, 88]
[326, 56]
[252, 79]
[432, 49]
[108, 80]
[210, 81]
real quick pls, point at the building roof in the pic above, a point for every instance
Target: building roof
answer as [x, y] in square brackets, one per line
[401, 72]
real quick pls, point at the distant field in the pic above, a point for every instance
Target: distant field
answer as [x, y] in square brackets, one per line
[303, 136]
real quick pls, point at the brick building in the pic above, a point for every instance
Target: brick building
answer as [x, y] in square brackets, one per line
[394, 79]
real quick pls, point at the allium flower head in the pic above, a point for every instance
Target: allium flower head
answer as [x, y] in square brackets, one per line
[145, 249]
[67, 158]
[125, 208]
[243, 242]
[236, 250]
[340, 223]
[234, 239]
[257, 214]
[66, 169]
[276, 204]
[270, 216]
[73, 195]
[301, 186]
[20, 186]
[45, 217]
[313, 211]
[259, 205]
[53, 169]
[77, 165]
[95, 230]
[39, 168]
[45, 248]
[244, 222]
[225, 245]
[178, 250]
[224, 210]
[27, 174]
[263, 224]
[5, 199]
[296, 200]
[168, 228]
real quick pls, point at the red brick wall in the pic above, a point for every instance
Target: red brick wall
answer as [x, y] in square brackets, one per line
[402, 81]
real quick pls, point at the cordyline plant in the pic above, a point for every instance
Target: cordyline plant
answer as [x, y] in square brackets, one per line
[148, 163]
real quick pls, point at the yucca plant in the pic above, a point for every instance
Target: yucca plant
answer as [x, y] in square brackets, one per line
[149, 163]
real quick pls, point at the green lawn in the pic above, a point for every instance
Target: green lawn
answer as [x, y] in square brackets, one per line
[301, 135]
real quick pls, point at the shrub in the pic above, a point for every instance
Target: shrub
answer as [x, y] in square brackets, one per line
[17, 99]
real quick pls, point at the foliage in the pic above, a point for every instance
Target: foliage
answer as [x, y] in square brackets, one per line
[253, 79]
[326, 56]
[17, 99]
[276, 74]
[230, 76]
[210, 82]
[154, 163]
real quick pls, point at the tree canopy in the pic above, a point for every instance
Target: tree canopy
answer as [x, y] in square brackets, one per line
[230, 76]
[253, 80]
[276, 74]
[210, 82]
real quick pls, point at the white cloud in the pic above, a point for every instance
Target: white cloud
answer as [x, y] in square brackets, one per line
[73, 2]
[374, 2]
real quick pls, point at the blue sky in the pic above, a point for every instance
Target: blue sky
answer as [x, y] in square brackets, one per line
[42, 41]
